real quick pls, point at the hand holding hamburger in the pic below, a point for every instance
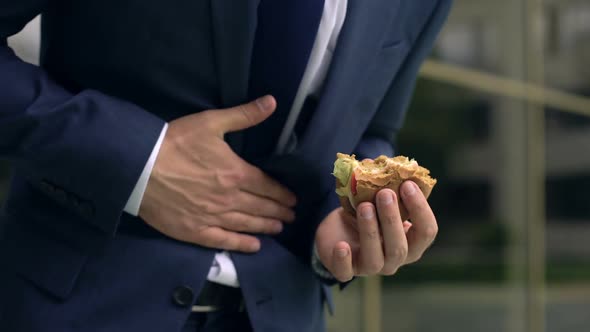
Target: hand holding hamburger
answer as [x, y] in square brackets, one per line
[370, 235]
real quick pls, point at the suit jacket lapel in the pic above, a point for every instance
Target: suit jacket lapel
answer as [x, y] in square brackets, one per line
[360, 41]
[234, 27]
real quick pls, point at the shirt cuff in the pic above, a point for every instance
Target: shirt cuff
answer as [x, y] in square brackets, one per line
[134, 202]
[223, 271]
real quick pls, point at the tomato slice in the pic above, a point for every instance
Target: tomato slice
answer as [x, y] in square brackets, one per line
[353, 184]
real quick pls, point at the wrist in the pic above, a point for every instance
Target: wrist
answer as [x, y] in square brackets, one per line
[319, 268]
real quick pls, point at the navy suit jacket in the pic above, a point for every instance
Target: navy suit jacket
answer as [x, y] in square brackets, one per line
[79, 129]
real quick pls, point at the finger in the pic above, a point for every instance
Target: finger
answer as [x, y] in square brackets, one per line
[215, 237]
[424, 226]
[263, 207]
[241, 222]
[243, 116]
[342, 262]
[395, 244]
[258, 183]
[371, 251]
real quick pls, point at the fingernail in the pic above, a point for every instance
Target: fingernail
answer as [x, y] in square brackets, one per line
[255, 246]
[367, 212]
[277, 227]
[291, 200]
[342, 253]
[265, 103]
[386, 198]
[409, 189]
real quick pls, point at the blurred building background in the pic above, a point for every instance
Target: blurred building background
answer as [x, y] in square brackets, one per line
[501, 116]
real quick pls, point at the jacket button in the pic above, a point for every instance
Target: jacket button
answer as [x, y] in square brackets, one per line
[183, 296]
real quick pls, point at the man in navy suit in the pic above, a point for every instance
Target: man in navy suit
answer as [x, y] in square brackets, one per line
[172, 159]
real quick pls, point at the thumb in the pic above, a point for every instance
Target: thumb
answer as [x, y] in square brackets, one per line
[243, 116]
[342, 268]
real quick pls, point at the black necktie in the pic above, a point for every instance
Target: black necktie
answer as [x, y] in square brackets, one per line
[285, 35]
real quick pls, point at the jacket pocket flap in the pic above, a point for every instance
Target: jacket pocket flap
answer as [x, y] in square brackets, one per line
[46, 262]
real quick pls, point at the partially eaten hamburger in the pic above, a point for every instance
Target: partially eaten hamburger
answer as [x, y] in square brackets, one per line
[359, 181]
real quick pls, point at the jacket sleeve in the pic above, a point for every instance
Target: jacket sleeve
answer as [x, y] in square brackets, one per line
[392, 110]
[84, 150]
[379, 138]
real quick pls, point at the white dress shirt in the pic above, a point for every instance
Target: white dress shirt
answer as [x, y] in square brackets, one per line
[223, 270]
